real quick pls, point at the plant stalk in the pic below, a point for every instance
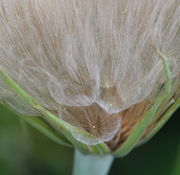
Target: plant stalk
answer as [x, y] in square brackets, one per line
[91, 164]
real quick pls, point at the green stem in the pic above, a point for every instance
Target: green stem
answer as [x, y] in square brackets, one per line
[91, 164]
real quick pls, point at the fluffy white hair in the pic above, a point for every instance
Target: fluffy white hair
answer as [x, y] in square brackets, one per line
[77, 53]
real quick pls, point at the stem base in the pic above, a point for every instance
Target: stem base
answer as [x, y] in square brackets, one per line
[91, 164]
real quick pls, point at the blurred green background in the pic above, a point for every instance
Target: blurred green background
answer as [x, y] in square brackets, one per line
[25, 151]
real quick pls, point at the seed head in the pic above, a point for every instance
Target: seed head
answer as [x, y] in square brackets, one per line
[94, 63]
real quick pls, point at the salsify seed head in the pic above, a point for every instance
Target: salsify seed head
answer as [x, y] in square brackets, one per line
[92, 63]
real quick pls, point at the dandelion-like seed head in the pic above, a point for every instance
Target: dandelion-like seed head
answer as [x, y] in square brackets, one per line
[92, 63]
